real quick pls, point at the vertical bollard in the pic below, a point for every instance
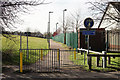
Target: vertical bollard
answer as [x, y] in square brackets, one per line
[104, 59]
[84, 57]
[74, 53]
[21, 63]
[109, 60]
[58, 54]
[90, 62]
[41, 54]
[98, 58]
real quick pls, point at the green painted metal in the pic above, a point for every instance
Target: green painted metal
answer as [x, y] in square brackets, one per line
[59, 38]
[71, 39]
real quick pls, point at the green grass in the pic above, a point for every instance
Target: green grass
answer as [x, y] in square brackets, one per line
[10, 49]
[114, 66]
[80, 60]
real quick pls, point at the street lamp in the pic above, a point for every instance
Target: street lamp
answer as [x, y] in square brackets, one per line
[63, 26]
[49, 28]
[56, 26]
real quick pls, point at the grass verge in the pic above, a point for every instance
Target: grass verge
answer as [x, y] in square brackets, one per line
[10, 48]
[113, 66]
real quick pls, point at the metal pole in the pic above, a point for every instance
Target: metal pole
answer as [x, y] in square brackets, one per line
[20, 68]
[20, 41]
[118, 41]
[64, 31]
[27, 46]
[63, 21]
[88, 44]
[84, 57]
[56, 26]
[63, 27]
[27, 40]
[49, 29]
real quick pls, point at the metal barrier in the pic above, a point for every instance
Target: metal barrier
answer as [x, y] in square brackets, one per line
[71, 39]
[69, 58]
[39, 60]
[104, 56]
[55, 60]
[48, 60]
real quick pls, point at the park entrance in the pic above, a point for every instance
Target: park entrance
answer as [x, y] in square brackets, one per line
[49, 60]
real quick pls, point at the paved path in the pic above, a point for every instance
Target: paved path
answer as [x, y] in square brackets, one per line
[56, 45]
[65, 62]
[10, 74]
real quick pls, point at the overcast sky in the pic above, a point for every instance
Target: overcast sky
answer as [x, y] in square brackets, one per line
[37, 20]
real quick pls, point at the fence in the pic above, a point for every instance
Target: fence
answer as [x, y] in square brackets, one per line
[113, 41]
[69, 59]
[71, 39]
[40, 60]
[59, 38]
[55, 60]
[105, 58]
[49, 60]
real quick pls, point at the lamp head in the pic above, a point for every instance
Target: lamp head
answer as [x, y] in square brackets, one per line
[50, 12]
[65, 9]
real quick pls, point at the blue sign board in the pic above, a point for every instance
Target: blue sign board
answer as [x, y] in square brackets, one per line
[88, 32]
[88, 23]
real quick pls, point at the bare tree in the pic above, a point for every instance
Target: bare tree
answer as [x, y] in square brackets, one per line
[67, 24]
[10, 8]
[101, 8]
[76, 18]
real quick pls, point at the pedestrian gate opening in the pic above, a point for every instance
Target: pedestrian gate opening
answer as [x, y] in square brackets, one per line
[48, 60]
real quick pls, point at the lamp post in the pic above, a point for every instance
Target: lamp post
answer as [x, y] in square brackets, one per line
[49, 29]
[63, 26]
[56, 26]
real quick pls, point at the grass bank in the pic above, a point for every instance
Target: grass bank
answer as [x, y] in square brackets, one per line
[10, 47]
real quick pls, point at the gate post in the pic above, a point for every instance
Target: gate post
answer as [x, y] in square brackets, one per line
[58, 54]
[41, 54]
[90, 62]
[109, 60]
[21, 63]
[74, 53]
[84, 57]
[58, 57]
[97, 58]
[104, 59]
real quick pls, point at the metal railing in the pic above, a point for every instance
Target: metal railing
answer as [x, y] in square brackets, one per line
[55, 60]
[104, 56]
[40, 60]
[48, 60]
